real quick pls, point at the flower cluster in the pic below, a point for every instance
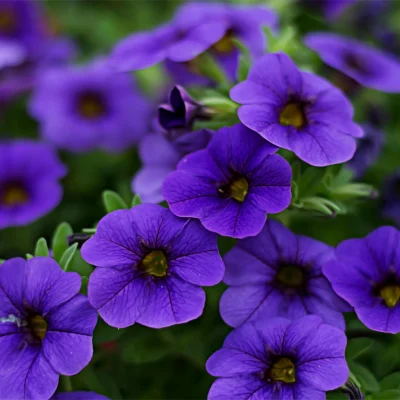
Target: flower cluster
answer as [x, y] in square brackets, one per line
[244, 159]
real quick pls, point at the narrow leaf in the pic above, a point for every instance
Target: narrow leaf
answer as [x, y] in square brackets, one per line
[59, 242]
[113, 201]
[67, 257]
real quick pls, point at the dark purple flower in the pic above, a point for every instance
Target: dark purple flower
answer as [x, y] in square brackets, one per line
[29, 181]
[366, 273]
[232, 184]
[279, 274]
[279, 359]
[159, 157]
[190, 33]
[46, 327]
[151, 265]
[245, 23]
[82, 109]
[391, 198]
[367, 65]
[332, 9]
[177, 117]
[34, 48]
[79, 396]
[297, 111]
[368, 150]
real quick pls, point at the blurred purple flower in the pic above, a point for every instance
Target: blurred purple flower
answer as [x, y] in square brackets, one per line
[46, 327]
[391, 198]
[279, 274]
[368, 150]
[297, 111]
[332, 9]
[28, 46]
[366, 273]
[29, 181]
[279, 359]
[232, 184]
[86, 108]
[367, 65]
[150, 266]
[159, 157]
[245, 23]
[79, 396]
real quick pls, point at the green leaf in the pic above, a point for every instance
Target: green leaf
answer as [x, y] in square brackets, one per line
[2, 261]
[367, 380]
[385, 395]
[28, 256]
[136, 200]
[41, 249]
[105, 333]
[84, 284]
[113, 201]
[391, 381]
[79, 265]
[208, 67]
[60, 243]
[356, 347]
[244, 61]
[387, 360]
[336, 395]
[310, 181]
[66, 258]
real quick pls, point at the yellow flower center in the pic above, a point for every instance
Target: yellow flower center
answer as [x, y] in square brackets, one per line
[91, 106]
[292, 114]
[390, 294]
[38, 326]
[7, 21]
[224, 45]
[155, 263]
[283, 370]
[237, 189]
[291, 276]
[13, 195]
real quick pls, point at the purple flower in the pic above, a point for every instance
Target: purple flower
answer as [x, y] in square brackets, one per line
[391, 198]
[244, 24]
[177, 117]
[190, 33]
[150, 267]
[332, 9]
[368, 150]
[297, 111]
[367, 65]
[279, 359]
[232, 184]
[279, 274]
[28, 46]
[81, 109]
[46, 327]
[159, 157]
[78, 396]
[29, 181]
[366, 273]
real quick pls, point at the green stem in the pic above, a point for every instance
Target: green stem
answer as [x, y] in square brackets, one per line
[66, 383]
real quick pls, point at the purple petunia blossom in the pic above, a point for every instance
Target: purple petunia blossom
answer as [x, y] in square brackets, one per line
[368, 150]
[46, 327]
[367, 65]
[279, 274]
[86, 108]
[332, 9]
[232, 184]
[366, 273]
[150, 266]
[245, 23]
[391, 198]
[297, 111]
[79, 396]
[159, 157]
[189, 34]
[279, 359]
[29, 181]
[27, 46]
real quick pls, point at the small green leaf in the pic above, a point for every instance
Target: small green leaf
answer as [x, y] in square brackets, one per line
[28, 256]
[357, 346]
[208, 67]
[244, 61]
[136, 200]
[59, 242]
[41, 249]
[391, 381]
[366, 378]
[2, 261]
[385, 395]
[67, 257]
[113, 201]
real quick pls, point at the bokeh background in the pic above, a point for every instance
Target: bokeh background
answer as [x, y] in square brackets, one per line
[140, 363]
